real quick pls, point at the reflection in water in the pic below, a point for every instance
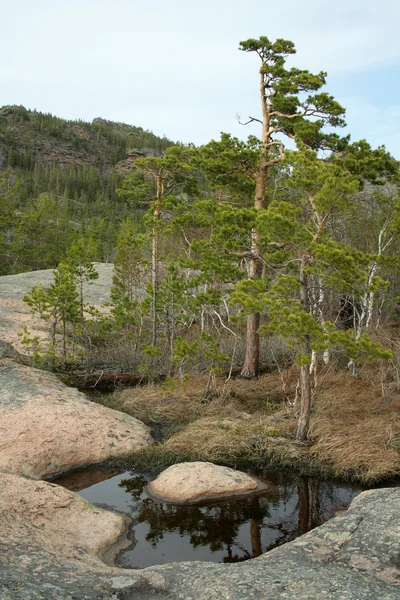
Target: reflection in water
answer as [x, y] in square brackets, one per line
[216, 527]
[221, 532]
[79, 480]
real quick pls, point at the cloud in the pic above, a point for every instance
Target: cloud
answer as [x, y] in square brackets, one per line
[174, 66]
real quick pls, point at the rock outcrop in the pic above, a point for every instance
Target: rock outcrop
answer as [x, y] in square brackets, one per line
[50, 543]
[354, 556]
[197, 482]
[15, 314]
[30, 134]
[56, 520]
[47, 428]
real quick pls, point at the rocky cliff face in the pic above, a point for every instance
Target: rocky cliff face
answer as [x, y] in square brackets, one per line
[58, 177]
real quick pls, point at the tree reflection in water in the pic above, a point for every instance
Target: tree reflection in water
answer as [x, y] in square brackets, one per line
[230, 531]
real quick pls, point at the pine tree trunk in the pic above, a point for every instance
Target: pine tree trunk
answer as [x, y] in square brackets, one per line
[303, 421]
[155, 256]
[172, 328]
[154, 282]
[81, 294]
[53, 342]
[53, 332]
[251, 361]
[64, 341]
[305, 377]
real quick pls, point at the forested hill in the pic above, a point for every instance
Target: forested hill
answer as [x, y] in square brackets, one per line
[31, 137]
[64, 175]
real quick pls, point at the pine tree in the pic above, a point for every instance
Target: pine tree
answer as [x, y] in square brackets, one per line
[174, 305]
[288, 111]
[301, 252]
[130, 263]
[79, 260]
[58, 305]
[41, 236]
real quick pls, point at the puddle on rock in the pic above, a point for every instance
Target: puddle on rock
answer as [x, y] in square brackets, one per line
[222, 532]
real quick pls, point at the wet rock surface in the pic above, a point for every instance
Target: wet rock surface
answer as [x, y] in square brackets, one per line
[196, 482]
[47, 428]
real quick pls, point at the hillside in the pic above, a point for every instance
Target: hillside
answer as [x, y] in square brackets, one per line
[63, 173]
[29, 138]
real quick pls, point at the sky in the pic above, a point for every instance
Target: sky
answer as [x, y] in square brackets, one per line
[174, 67]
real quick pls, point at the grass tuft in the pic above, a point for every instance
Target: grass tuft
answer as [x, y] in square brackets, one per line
[354, 433]
[155, 404]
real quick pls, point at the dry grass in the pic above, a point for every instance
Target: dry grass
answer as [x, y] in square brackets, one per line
[184, 404]
[259, 439]
[354, 431]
